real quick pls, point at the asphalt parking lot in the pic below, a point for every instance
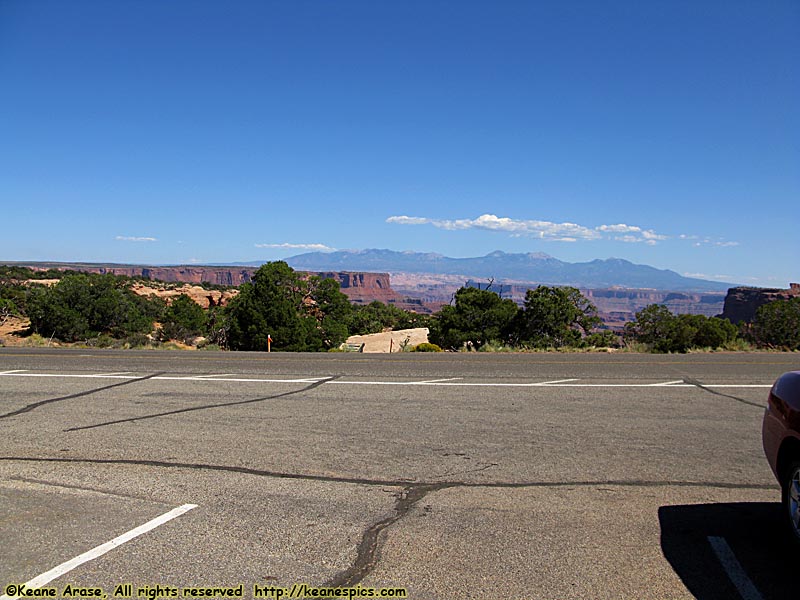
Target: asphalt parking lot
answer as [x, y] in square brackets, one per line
[451, 476]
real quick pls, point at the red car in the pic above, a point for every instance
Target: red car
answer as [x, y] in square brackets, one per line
[781, 437]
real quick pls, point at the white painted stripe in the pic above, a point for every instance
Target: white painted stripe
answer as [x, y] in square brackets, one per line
[113, 374]
[234, 379]
[547, 384]
[68, 566]
[494, 384]
[439, 380]
[70, 375]
[215, 375]
[444, 384]
[738, 385]
[12, 371]
[161, 377]
[734, 569]
[565, 383]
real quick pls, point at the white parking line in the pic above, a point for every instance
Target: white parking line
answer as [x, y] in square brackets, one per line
[68, 566]
[69, 375]
[734, 569]
[112, 374]
[549, 384]
[214, 375]
[161, 377]
[452, 381]
[738, 385]
[13, 371]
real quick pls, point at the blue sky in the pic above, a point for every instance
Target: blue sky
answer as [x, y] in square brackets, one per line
[164, 132]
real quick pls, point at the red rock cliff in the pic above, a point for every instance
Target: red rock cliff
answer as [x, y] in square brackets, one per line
[360, 288]
[742, 303]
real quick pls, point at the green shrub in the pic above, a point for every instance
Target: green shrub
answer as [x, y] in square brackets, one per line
[35, 341]
[426, 347]
[82, 306]
[777, 325]
[183, 319]
[601, 339]
[661, 331]
[377, 316]
[299, 314]
[476, 318]
[555, 317]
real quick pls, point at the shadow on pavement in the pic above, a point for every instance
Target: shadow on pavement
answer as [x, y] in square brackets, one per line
[752, 530]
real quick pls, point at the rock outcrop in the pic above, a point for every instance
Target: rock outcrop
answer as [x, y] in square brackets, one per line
[360, 287]
[363, 288]
[203, 297]
[742, 303]
[182, 274]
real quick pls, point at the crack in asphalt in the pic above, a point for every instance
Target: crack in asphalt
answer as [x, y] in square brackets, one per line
[403, 483]
[699, 385]
[83, 488]
[367, 554]
[205, 406]
[35, 405]
[368, 549]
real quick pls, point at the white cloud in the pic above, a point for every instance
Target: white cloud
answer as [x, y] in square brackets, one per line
[651, 235]
[619, 228]
[635, 235]
[705, 276]
[316, 247]
[628, 239]
[128, 238]
[542, 229]
[403, 220]
[707, 241]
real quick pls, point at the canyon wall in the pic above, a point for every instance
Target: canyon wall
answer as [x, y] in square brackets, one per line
[360, 288]
[742, 303]
[181, 274]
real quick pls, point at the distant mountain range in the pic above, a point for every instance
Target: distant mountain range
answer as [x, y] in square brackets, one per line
[534, 267]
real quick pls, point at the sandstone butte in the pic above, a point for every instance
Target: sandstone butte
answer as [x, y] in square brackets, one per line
[741, 303]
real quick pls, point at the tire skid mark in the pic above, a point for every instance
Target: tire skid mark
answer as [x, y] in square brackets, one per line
[700, 386]
[36, 405]
[204, 407]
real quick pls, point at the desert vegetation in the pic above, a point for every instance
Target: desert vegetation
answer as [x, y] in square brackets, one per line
[287, 310]
[551, 317]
